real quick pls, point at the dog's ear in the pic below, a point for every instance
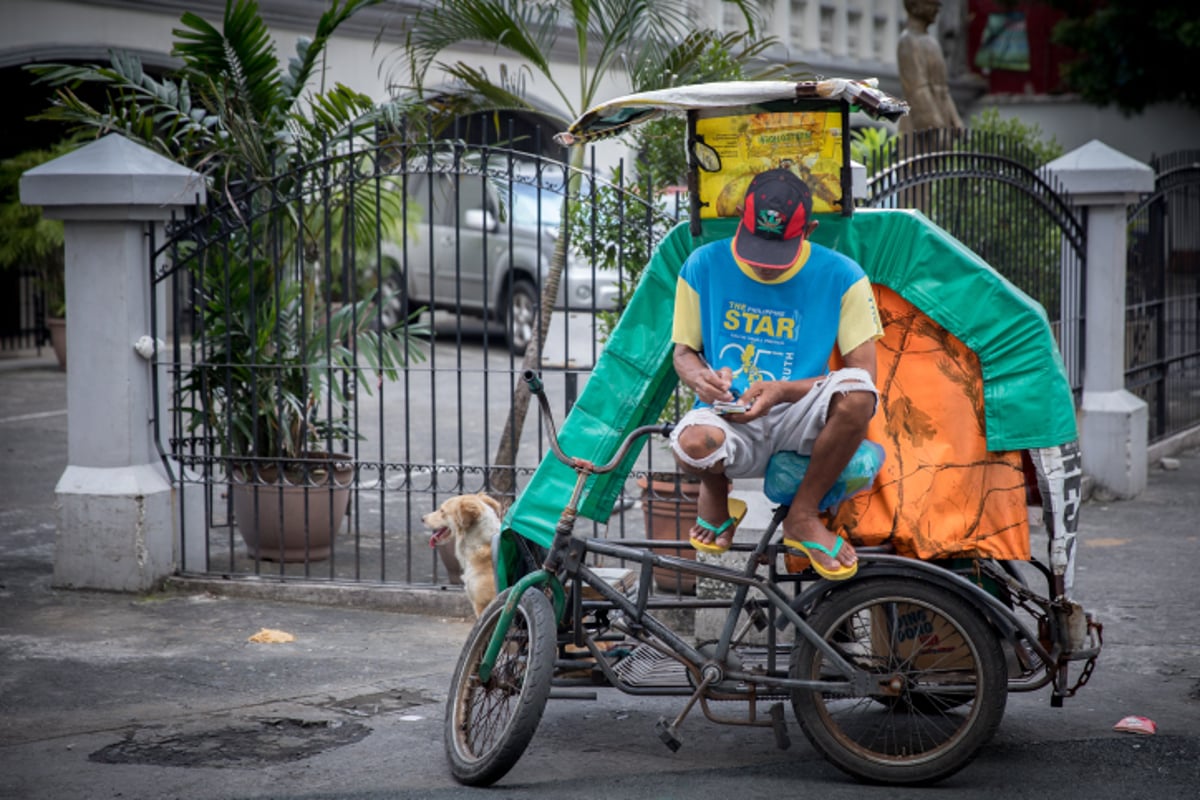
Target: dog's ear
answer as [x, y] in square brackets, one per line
[494, 503]
[460, 514]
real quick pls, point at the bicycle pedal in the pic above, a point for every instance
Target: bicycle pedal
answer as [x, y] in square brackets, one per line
[779, 727]
[666, 732]
[758, 619]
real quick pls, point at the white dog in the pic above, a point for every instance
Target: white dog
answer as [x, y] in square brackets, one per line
[472, 519]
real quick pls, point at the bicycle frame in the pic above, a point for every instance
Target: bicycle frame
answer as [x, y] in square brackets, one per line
[567, 558]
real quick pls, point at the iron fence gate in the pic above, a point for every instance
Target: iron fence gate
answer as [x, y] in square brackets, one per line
[990, 192]
[1162, 321]
[287, 300]
[23, 311]
[346, 340]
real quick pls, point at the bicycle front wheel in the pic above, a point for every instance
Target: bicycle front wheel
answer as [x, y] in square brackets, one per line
[489, 723]
[941, 690]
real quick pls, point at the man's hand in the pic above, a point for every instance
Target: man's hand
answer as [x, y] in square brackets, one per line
[709, 385]
[759, 398]
[713, 386]
[762, 396]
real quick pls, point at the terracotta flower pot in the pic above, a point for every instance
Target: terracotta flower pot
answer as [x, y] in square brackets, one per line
[293, 517]
[58, 339]
[669, 506]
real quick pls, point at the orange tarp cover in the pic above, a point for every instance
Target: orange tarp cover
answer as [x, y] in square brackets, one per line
[940, 492]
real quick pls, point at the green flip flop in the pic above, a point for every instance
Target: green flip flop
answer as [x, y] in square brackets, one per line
[840, 574]
[737, 510]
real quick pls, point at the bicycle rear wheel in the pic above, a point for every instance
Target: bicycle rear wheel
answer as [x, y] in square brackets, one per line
[489, 723]
[942, 682]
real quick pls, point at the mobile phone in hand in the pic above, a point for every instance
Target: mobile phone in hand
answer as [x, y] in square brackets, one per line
[723, 407]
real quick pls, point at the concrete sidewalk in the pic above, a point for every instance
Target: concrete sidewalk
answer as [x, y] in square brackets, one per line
[163, 695]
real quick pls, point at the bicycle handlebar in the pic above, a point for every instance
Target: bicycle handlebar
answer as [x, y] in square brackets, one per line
[534, 382]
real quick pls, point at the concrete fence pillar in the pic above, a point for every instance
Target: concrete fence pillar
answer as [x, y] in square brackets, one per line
[117, 507]
[1113, 422]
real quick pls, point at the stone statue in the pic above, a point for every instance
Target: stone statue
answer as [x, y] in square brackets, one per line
[923, 71]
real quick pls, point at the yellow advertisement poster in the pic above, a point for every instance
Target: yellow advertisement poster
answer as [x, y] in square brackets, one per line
[807, 142]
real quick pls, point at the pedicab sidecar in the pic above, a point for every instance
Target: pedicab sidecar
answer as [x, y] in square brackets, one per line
[973, 398]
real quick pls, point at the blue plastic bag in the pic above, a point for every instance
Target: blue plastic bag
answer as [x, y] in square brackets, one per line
[786, 469]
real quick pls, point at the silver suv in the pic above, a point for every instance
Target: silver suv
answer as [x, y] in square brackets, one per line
[482, 249]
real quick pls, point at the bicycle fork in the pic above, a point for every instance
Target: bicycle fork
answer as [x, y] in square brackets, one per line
[540, 579]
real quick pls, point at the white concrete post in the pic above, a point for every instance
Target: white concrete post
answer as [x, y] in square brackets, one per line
[864, 23]
[779, 21]
[117, 516]
[1114, 422]
[886, 54]
[839, 36]
[810, 27]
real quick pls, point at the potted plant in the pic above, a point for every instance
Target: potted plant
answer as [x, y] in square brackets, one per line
[267, 392]
[670, 503]
[271, 392]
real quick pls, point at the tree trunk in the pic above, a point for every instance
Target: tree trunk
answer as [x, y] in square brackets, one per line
[502, 476]
[503, 472]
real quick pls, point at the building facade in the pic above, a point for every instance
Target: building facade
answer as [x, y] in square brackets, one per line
[825, 37]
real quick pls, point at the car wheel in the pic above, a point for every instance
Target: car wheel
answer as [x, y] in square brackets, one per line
[522, 318]
[394, 307]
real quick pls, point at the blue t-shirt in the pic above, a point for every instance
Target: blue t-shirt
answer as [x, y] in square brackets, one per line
[782, 330]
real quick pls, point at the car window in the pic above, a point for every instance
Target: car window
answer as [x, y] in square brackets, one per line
[416, 187]
[525, 205]
[470, 196]
[439, 203]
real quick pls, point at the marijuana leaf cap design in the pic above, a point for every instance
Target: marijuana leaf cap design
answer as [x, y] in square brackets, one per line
[769, 221]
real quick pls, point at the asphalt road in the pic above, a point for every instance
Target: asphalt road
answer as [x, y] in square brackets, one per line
[162, 695]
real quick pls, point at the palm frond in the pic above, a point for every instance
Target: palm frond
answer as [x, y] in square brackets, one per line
[479, 92]
[624, 28]
[158, 114]
[240, 57]
[751, 15]
[704, 56]
[636, 35]
[524, 29]
[337, 114]
[310, 51]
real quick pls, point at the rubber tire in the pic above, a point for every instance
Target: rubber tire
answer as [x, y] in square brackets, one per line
[475, 762]
[394, 313]
[521, 316]
[867, 758]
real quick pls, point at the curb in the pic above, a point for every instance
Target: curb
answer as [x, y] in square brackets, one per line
[434, 602]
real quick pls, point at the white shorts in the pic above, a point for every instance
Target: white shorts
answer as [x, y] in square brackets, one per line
[789, 426]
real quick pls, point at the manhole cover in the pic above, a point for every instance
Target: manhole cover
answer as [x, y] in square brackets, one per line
[244, 744]
[368, 705]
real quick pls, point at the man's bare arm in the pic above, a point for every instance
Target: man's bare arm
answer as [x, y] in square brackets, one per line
[863, 357]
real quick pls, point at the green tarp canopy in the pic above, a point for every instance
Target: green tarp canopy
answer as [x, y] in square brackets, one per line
[1027, 398]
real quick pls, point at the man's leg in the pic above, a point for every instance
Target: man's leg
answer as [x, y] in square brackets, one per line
[845, 428]
[699, 442]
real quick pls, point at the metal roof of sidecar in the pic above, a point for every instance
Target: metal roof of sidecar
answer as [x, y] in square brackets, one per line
[615, 116]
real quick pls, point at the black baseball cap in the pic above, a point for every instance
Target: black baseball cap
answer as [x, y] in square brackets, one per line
[777, 207]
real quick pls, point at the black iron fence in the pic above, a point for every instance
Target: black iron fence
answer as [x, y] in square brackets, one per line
[1162, 322]
[348, 339]
[22, 311]
[992, 194]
